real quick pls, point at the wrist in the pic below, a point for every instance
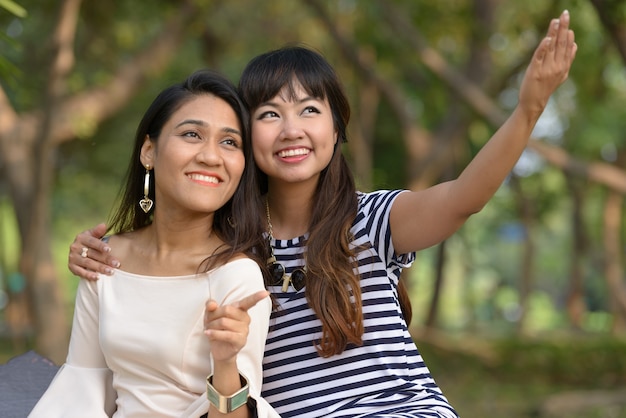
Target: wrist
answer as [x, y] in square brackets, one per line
[227, 403]
[530, 114]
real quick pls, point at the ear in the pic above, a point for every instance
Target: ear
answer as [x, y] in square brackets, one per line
[147, 152]
[336, 136]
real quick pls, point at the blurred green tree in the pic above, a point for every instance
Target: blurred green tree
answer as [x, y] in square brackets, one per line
[428, 81]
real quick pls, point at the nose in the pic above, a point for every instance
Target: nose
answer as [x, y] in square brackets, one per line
[292, 128]
[209, 154]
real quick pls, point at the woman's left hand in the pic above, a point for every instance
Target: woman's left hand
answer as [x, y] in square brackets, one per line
[549, 66]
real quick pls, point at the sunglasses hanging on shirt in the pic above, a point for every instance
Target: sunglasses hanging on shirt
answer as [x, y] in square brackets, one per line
[297, 278]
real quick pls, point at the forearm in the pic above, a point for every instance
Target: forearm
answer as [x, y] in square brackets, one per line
[486, 172]
[549, 67]
[237, 341]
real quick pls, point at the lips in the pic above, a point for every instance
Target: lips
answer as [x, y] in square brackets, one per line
[204, 178]
[297, 152]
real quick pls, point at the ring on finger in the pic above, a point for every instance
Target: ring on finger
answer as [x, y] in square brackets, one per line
[84, 252]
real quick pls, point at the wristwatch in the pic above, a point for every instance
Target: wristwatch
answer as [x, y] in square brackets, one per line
[227, 404]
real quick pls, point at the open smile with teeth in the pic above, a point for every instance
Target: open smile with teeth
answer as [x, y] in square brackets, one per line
[293, 152]
[203, 178]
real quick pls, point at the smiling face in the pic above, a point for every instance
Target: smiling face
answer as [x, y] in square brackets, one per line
[293, 138]
[198, 157]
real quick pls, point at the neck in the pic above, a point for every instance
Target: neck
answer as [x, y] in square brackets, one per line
[173, 236]
[290, 211]
[173, 248]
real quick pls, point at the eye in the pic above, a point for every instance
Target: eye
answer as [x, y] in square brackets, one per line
[191, 135]
[267, 114]
[310, 110]
[232, 142]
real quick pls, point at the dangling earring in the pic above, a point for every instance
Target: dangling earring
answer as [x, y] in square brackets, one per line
[146, 203]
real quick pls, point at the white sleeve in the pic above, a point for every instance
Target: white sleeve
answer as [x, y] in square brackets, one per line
[83, 385]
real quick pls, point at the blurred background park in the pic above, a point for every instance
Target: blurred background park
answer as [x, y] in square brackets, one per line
[522, 313]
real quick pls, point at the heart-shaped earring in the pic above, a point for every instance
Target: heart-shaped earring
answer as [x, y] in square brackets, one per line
[146, 203]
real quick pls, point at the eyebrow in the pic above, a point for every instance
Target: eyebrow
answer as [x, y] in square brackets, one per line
[202, 123]
[298, 101]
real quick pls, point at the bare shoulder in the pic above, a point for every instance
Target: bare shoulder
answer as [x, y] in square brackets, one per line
[122, 245]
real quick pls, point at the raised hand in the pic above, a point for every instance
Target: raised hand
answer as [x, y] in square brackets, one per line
[227, 326]
[549, 66]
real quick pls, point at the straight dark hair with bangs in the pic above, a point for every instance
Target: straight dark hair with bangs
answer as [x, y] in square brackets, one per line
[267, 74]
[332, 288]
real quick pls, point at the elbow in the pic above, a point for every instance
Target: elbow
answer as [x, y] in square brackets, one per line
[468, 212]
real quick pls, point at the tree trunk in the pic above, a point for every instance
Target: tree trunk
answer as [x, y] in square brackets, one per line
[28, 144]
[526, 212]
[433, 307]
[362, 140]
[45, 296]
[49, 309]
[576, 307]
[613, 261]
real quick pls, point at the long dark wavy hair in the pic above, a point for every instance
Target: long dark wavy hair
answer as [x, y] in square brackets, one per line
[333, 289]
[234, 223]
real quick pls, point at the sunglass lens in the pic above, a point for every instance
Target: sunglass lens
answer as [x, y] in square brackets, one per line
[277, 271]
[298, 279]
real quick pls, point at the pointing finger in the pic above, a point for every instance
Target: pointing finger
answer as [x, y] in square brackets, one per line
[251, 300]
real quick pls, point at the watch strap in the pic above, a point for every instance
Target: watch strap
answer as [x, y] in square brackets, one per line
[227, 404]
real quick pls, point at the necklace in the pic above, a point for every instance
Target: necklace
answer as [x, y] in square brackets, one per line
[278, 273]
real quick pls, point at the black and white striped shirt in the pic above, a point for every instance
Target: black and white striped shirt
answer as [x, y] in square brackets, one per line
[386, 376]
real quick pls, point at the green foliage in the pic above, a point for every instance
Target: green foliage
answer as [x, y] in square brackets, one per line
[9, 240]
[481, 279]
[8, 70]
[592, 360]
[526, 373]
[13, 8]
[484, 257]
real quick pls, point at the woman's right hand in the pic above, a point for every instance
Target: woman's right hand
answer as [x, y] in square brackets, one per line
[95, 259]
[227, 326]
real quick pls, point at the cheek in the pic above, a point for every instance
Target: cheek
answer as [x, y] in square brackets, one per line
[329, 138]
[237, 166]
[260, 148]
[263, 135]
[259, 159]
